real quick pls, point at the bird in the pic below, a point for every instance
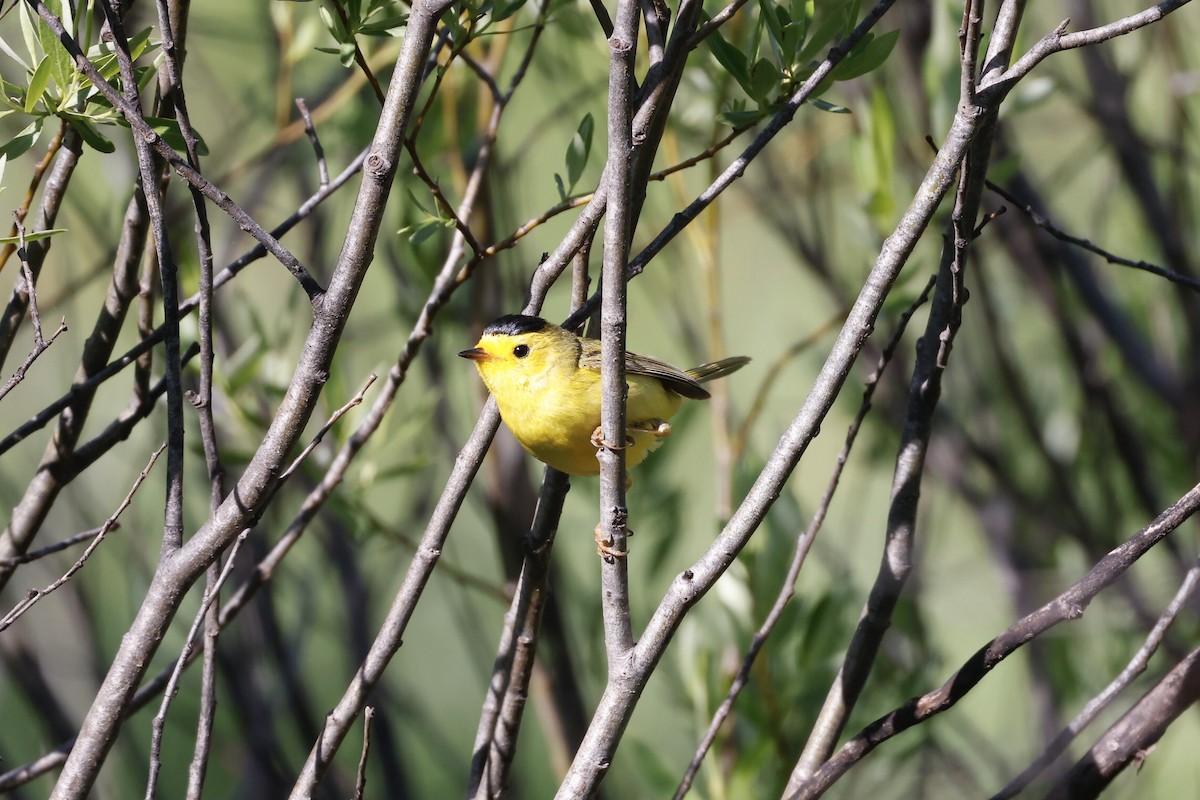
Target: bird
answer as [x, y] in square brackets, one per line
[546, 381]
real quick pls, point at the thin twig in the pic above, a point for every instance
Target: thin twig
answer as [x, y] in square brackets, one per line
[109, 525]
[1042, 221]
[51, 549]
[311, 130]
[40, 343]
[329, 423]
[360, 781]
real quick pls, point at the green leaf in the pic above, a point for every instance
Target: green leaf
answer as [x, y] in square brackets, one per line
[32, 237]
[23, 140]
[139, 43]
[37, 85]
[833, 23]
[63, 68]
[824, 105]
[738, 119]
[562, 187]
[90, 134]
[503, 11]
[385, 26]
[764, 79]
[168, 129]
[579, 150]
[729, 57]
[870, 53]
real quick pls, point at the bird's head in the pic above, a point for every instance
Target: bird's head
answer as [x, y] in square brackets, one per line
[518, 351]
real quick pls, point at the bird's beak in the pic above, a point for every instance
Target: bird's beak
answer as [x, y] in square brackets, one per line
[475, 354]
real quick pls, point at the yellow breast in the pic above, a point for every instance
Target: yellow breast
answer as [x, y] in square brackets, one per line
[554, 417]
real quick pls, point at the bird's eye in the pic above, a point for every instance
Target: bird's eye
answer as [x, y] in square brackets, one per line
[521, 350]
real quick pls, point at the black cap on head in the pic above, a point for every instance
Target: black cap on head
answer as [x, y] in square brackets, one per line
[514, 325]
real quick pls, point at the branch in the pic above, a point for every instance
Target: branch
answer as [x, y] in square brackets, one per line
[1042, 221]
[109, 525]
[611, 529]
[500, 718]
[83, 388]
[1135, 667]
[993, 89]
[1133, 737]
[1069, 605]
[143, 133]
[248, 500]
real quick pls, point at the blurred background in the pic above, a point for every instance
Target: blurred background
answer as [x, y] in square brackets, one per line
[1069, 416]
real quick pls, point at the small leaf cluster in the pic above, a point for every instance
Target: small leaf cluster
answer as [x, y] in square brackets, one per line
[784, 51]
[55, 87]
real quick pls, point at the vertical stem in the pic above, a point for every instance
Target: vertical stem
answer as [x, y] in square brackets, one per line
[618, 628]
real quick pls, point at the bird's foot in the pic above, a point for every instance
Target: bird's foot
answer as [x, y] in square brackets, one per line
[604, 545]
[659, 428]
[599, 441]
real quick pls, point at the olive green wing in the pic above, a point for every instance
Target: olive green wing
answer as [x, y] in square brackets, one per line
[685, 383]
[673, 378]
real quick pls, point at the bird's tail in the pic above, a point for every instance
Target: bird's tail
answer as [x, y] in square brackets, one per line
[718, 369]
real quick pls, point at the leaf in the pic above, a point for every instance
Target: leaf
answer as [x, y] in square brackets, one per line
[37, 85]
[32, 237]
[168, 129]
[739, 119]
[775, 29]
[385, 26]
[23, 140]
[90, 134]
[505, 10]
[824, 105]
[579, 150]
[562, 187]
[729, 57]
[140, 42]
[62, 67]
[870, 53]
[832, 23]
[764, 79]
[7, 49]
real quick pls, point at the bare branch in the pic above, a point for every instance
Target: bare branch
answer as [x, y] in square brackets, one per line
[311, 130]
[1132, 738]
[1069, 605]
[360, 782]
[995, 87]
[1135, 667]
[109, 525]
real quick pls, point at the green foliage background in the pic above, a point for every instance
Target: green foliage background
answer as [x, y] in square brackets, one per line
[786, 250]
